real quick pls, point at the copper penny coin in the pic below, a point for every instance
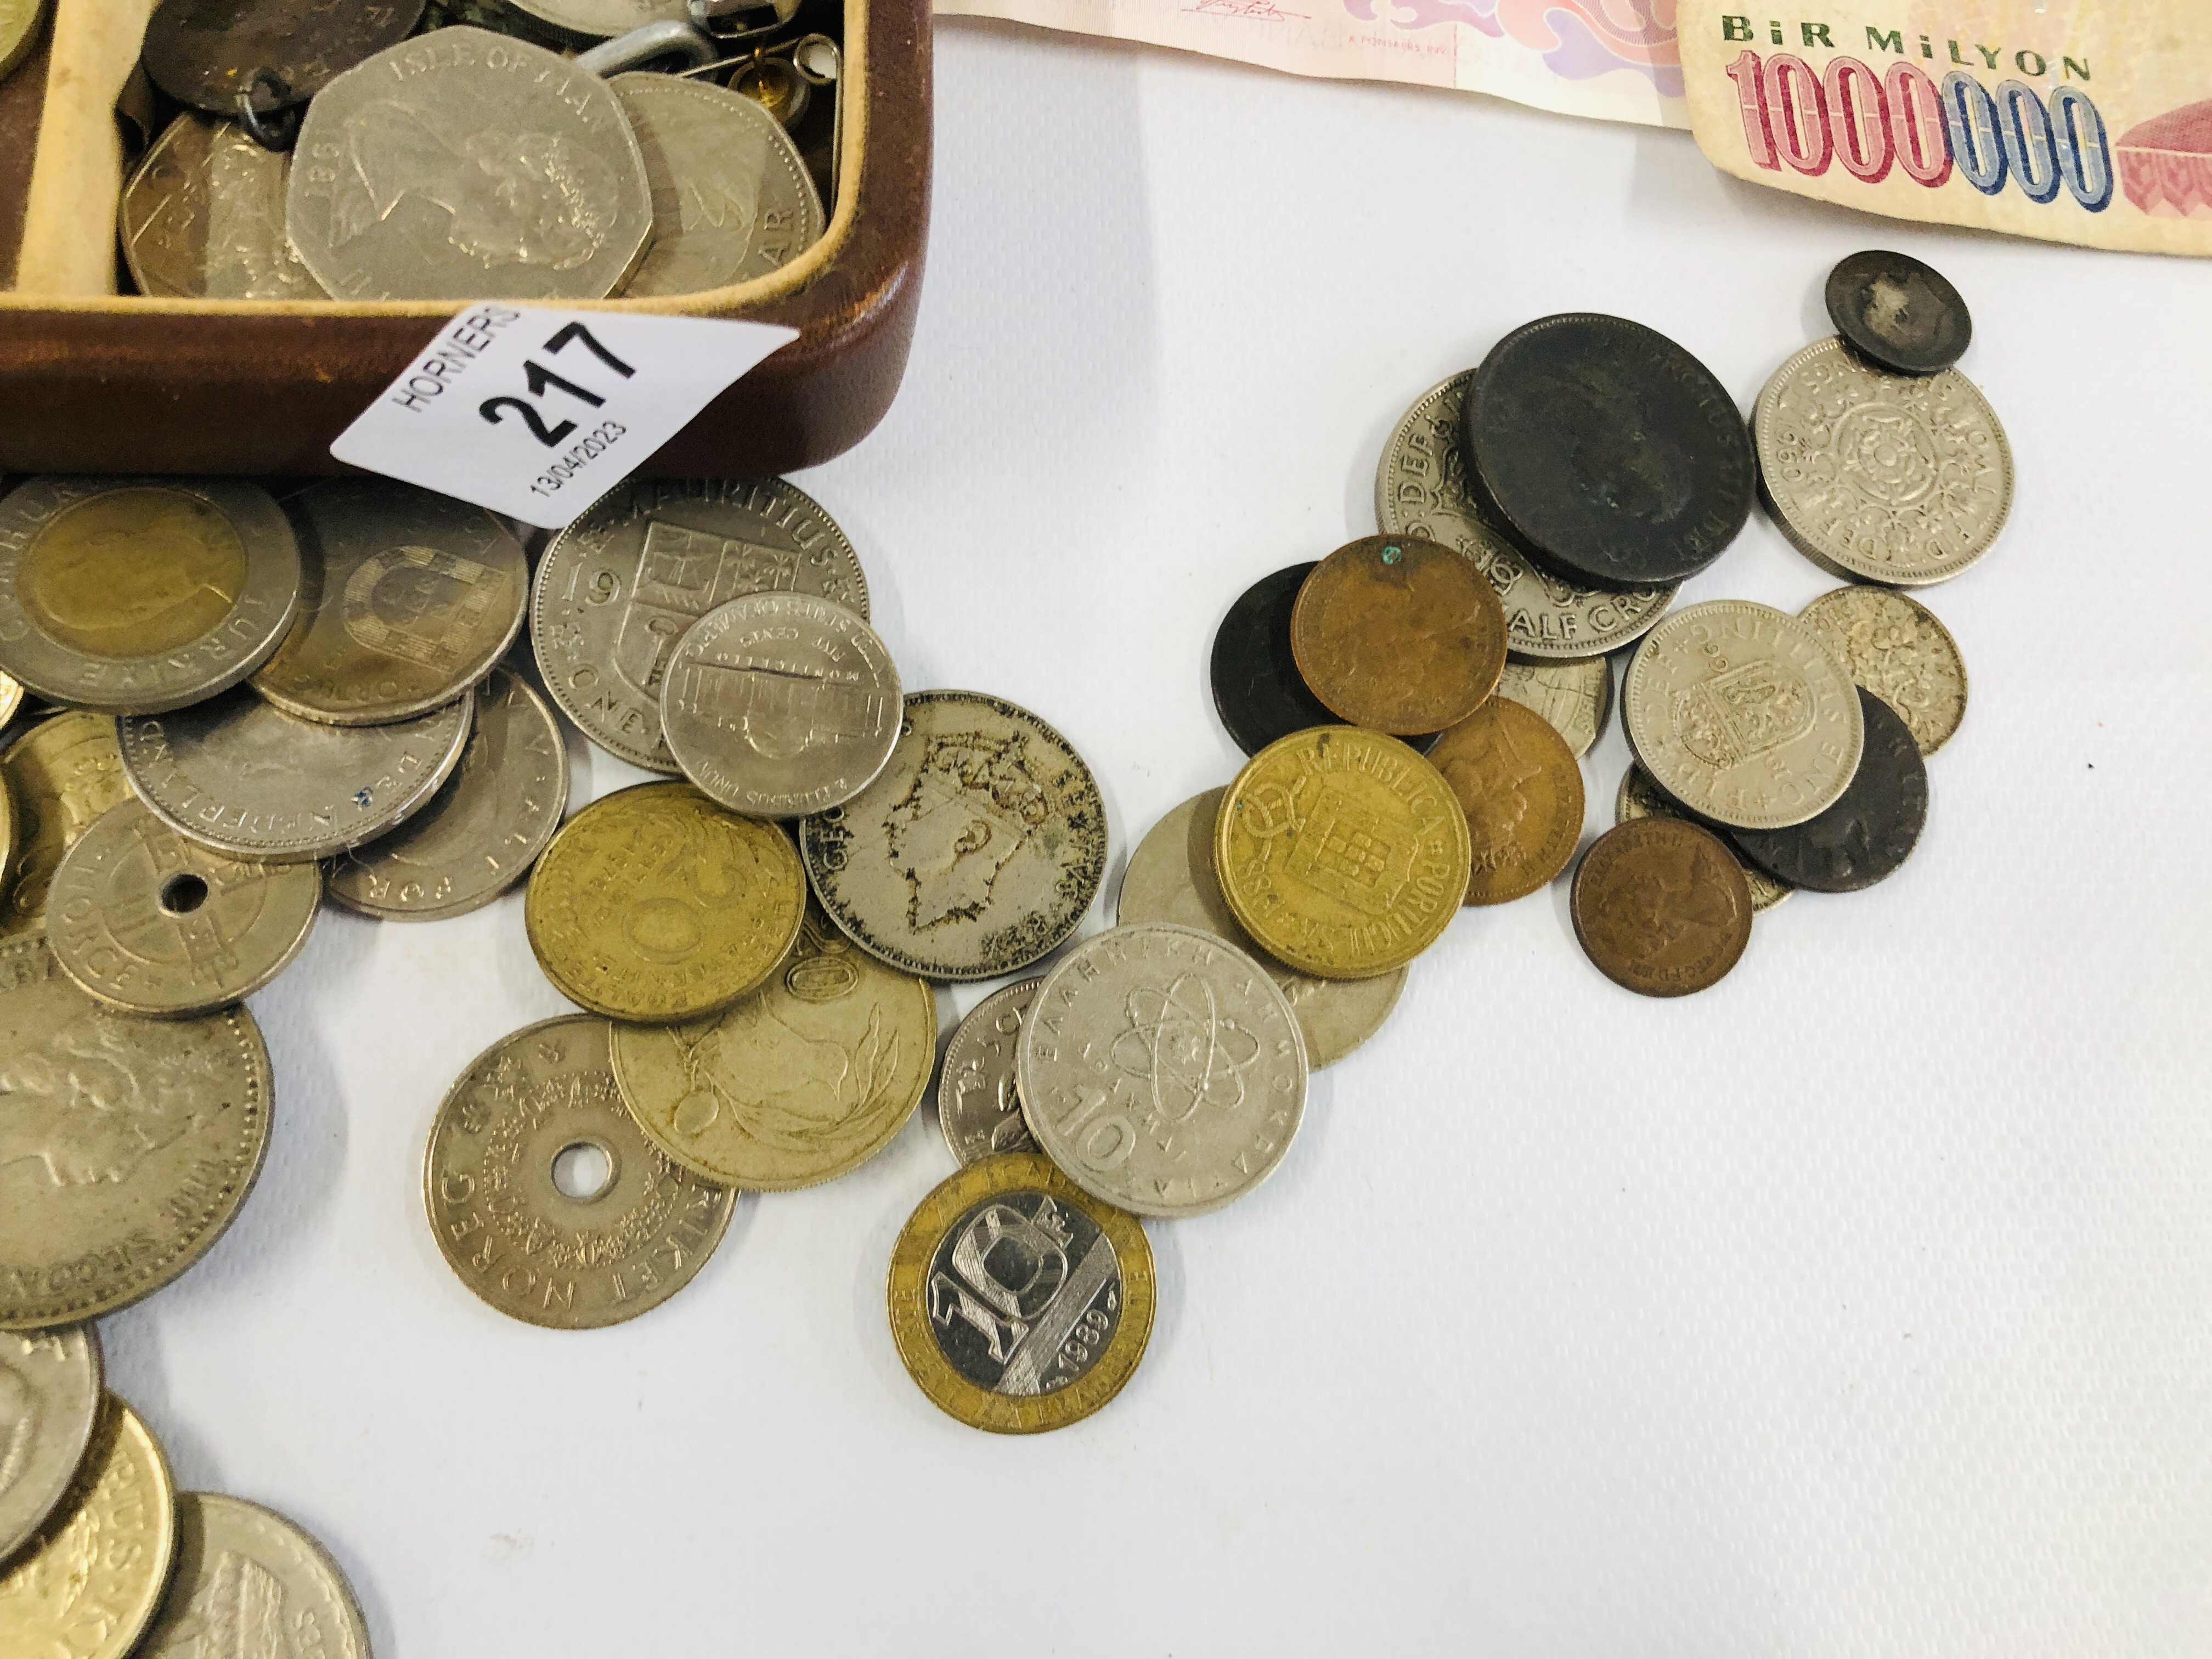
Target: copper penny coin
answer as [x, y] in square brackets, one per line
[1399, 634]
[1662, 908]
[1522, 791]
[1868, 833]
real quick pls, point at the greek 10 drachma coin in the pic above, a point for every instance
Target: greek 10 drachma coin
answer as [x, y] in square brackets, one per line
[1171, 878]
[801, 1082]
[49, 1395]
[619, 587]
[1898, 481]
[1342, 853]
[408, 598]
[1574, 693]
[482, 831]
[1899, 313]
[1522, 791]
[128, 1146]
[975, 851]
[1162, 1069]
[1894, 648]
[1660, 907]
[1423, 488]
[979, 1101]
[496, 1202]
[247, 1581]
[1740, 714]
[1640, 798]
[90, 1582]
[1870, 831]
[653, 904]
[1399, 634]
[241, 775]
[150, 922]
[140, 595]
[203, 218]
[212, 54]
[60, 776]
[1019, 1302]
[781, 704]
[465, 165]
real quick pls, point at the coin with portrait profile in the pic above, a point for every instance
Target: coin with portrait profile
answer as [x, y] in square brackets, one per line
[50, 1398]
[1522, 790]
[1900, 314]
[1640, 798]
[1399, 634]
[1660, 907]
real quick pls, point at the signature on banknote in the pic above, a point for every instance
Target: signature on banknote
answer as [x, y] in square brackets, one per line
[1265, 10]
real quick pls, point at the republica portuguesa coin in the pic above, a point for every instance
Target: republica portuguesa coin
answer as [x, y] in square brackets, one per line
[1870, 830]
[1019, 1302]
[1399, 634]
[1899, 313]
[50, 1398]
[61, 775]
[1522, 791]
[1660, 907]
[247, 1581]
[1574, 693]
[979, 1102]
[1894, 648]
[1640, 798]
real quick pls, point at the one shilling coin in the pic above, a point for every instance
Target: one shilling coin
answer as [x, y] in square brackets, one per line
[61, 775]
[1894, 648]
[1660, 907]
[248, 1579]
[979, 1102]
[1574, 695]
[1019, 1302]
[150, 922]
[1741, 714]
[1522, 790]
[203, 218]
[140, 595]
[548, 1201]
[1399, 634]
[241, 775]
[1640, 798]
[1870, 831]
[49, 1395]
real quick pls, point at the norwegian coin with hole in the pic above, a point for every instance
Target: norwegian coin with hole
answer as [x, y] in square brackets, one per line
[781, 704]
[1171, 878]
[60, 776]
[407, 598]
[548, 1201]
[150, 922]
[976, 850]
[140, 595]
[1894, 647]
[247, 1581]
[203, 218]
[1574, 693]
[242, 776]
[1640, 798]
[1162, 1069]
[618, 588]
[979, 1104]
[128, 1145]
[482, 831]
[211, 54]
[50, 1394]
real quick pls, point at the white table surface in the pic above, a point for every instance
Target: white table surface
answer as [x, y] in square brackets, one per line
[1857, 1307]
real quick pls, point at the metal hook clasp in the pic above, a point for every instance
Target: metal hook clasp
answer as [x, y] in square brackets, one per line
[641, 46]
[276, 128]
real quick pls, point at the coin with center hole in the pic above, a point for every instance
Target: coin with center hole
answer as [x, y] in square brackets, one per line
[979, 1103]
[1660, 907]
[1870, 830]
[1640, 798]
[246, 1575]
[1399, 634]
[1522, 791]
[1902, 315]
[61, 775]
[49, 1395]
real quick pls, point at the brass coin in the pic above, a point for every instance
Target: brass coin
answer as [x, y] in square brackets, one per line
[50, 1403]
[1399, 634]
[801, 1082]
[1574, 693]
[653, 904]
[1893, 646]
[1522, 791]
[1343, 852]
[89, 1584]
[1660, 907]
[1019, 1302]
[526, 1115]
[250, 1582]
[62, 774]
[1640, 797]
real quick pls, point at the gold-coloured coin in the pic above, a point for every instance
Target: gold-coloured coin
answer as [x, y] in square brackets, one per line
[801, 1082]
[11, 698]
[653, 904]
[1519, 785]
[1019, 1302]
[1399, 634]
[20, 22]
[1342, 851]
[89, 1584]
[62, 774]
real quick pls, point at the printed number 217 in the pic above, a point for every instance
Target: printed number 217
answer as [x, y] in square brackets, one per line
[540, 377]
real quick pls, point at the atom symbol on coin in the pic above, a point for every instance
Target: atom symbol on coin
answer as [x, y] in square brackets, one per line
[1178, 1043]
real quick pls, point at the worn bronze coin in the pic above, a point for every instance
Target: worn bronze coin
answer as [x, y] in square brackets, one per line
[1640, 798]
[1608, 452]
[1399, 634]
[1868, 833]
[1257, 689]
[1899, 313]
[1522, 791]
[214, 54]
[1660, 907]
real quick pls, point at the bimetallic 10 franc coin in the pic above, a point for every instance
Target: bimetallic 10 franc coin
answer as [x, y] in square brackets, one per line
[979, 1102]
[1894, 647]
[1019, 1302]
[50, 1397]
[248, 1578]
[203, 218]
[60, 776]
[1640, 798]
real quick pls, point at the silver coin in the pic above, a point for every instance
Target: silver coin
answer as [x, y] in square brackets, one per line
[1899, 479]
[50, 1388]
[978, 1105]
[136, 595]
[975, 851]
[479, 834]
[465, 165]
[1162, 1069]
[247, 779]
[1421, 489]
[604, 19]
[781, 704]
[247, 1581]
[407, 598]
[148, 922]
[1171, 878]
[1640, 798]
[616, 589]
[1742, 714]
[1574, 695]
[203, 218]
[1896, 648]
[731, 200]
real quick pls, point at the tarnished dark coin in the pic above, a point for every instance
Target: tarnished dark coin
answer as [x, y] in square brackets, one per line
[1660, 907]
[1399, 634]
[211, 53]
[1868, 833]
[1257, 689]
[1899, 313]
[1608, 452]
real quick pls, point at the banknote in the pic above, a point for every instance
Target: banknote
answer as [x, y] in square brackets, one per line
[2085, 121]
[1615, 59]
